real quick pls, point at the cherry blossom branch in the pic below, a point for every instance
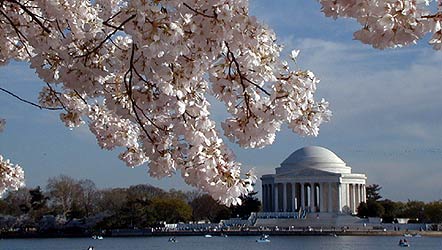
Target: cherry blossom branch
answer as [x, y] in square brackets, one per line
[18, 32]
[32, 15]
[200, 13]
[28, 102]
[106, 23]
[129, 91]
[108, 37]
[59, 29]
[436, 16]
[81, 97]
[241, 79]
[240, 73]
[56, 96]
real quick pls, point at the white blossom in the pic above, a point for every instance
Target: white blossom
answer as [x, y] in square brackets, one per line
[11, 176]
[386, 23]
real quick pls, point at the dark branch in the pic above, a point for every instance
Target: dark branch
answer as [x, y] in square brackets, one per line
[59, 29]
[108, 36]
[238, 69]
[128, 85]
[28, 102]
[199, 12]
[78, 94]
[18, 32]
[32, 15]
[56, 96]
[106, 23]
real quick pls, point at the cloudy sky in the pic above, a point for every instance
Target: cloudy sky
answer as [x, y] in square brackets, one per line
[387, 113]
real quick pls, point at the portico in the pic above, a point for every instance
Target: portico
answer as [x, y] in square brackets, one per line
[313, 179]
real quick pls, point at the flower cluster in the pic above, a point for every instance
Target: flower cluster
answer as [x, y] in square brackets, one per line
[11, 176]
[139, 73]
[389, 23]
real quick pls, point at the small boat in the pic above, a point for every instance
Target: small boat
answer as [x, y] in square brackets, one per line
[408, 235]
[417, 235]
[334, 235]
[403, 243]
[223, 235]
[99, 237]
[90, 248]
[263, 239]
[207, 236]
[172, 239]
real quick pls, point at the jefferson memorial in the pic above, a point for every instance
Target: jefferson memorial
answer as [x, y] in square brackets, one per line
[313, 180]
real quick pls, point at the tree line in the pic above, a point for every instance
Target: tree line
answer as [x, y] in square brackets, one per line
[69, 203]
[389, 211]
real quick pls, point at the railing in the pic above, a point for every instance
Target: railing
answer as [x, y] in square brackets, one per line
[301, 214]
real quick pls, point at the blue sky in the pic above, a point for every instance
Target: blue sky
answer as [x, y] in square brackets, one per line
[387, 110]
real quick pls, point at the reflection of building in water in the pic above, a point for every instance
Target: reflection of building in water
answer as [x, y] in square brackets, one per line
[313, 179]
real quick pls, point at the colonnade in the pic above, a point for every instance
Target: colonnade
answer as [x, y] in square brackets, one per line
[312, 196]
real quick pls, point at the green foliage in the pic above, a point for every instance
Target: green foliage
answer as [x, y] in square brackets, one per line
[171, 210]
[373, 192]
[370, 209]
[38, 200]
[433, 212]
[392, 210]
[249, 204]
[17, 202]
[414, 210]
[206, 208]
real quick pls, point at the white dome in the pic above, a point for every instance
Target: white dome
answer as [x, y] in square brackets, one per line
[314, 157]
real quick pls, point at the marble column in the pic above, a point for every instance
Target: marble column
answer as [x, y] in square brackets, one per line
[330, 196]
[293, 197]
[312, 197]
[264, 197]
[353, 197]
[276, 209]
[340, 197]
[321, 198]
[302, 196]
[355, 186]
[364, 194]
[284, 196]
[268, 200]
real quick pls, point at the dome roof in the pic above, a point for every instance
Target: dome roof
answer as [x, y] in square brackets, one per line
[314, 157]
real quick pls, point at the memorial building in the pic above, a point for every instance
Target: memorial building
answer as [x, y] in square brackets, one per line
[313, 180]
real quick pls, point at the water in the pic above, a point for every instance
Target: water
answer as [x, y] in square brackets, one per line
[221, 243]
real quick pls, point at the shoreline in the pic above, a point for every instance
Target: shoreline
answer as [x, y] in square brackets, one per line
[139, 233]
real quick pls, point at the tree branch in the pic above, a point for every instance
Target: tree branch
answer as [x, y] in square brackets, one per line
[108, 37]
[199, 12]
[32, 15]
[28, 102]
[128, 86]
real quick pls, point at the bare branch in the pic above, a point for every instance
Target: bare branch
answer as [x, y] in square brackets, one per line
[28, 102]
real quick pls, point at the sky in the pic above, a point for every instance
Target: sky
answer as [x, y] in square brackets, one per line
[387, 113]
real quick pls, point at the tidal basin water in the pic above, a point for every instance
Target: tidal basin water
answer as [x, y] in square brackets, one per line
[224, 243]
